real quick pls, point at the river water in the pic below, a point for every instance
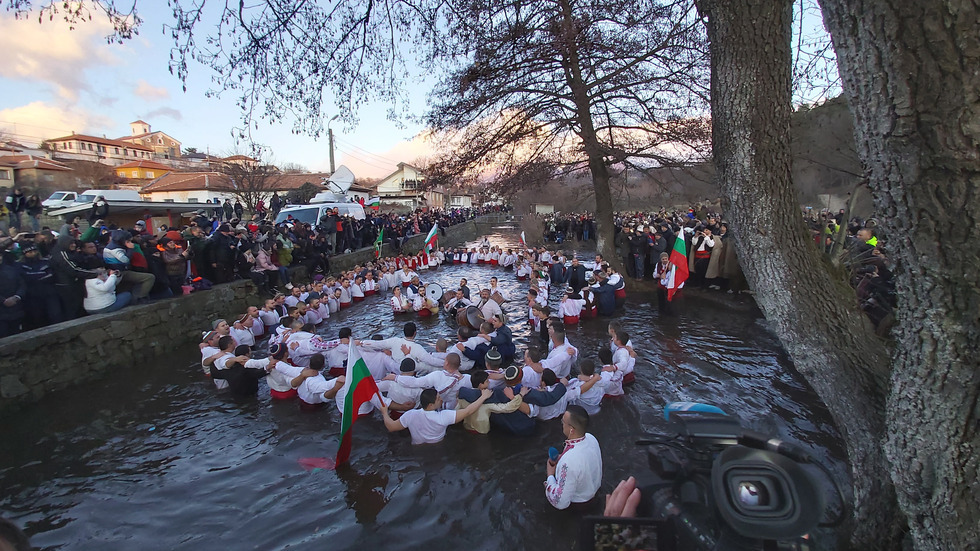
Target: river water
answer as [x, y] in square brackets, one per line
[155, 458]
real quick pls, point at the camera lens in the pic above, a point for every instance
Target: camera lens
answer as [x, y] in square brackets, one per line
[752, 494]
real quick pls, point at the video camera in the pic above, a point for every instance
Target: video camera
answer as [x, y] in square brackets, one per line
[717, 486]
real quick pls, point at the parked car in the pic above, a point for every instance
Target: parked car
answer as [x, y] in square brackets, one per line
[311, 214]
[110, 195]
[58, 199]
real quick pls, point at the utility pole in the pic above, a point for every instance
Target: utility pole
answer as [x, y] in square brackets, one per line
[330, 141]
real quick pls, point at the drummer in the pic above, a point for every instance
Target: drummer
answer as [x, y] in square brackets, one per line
[494, 290]
[423, 305]
[457, 302]
[488, 306]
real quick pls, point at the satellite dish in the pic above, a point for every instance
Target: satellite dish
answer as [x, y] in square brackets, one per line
[340, 181]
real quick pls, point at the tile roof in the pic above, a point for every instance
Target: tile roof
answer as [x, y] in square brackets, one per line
[19, 162]
[102, 141]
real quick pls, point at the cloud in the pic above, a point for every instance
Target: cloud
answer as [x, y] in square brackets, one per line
[51, 52]
[37, 121]
[149, 92]
[164, 112]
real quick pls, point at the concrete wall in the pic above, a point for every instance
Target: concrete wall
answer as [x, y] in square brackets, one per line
[56, 357]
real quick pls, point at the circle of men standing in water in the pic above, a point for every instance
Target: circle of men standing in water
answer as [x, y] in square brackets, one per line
[481, 380]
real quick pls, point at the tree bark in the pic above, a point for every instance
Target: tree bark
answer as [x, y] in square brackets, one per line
[814, 312]
[909, 71]
[605, 228]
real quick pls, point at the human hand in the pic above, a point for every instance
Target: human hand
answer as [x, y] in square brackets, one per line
[460, 346]
[11, 302]
[387, 351]
[525, 390]
[550, 467]
[622, 502]
[389, 377]
[309, 372]
[405, 350]
[293, 345]
[486, 393]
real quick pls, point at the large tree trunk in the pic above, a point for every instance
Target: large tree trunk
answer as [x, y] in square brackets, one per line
[813, 312]
[910, 73]
[605, 228]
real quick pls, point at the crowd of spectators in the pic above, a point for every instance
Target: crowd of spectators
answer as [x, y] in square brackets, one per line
[642, 237]
[50, 276]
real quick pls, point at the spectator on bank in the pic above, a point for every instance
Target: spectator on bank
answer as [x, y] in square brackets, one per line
[41, 304]
[118, 255]
[12, 290]
[34, 209]
[101, 296]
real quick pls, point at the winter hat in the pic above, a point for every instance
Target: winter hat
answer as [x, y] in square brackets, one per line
[216, 323]
[407, 366]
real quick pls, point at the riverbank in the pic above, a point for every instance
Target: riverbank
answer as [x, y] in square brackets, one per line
[58, 357]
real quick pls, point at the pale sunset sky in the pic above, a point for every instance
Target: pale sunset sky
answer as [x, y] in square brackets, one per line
[55, 81]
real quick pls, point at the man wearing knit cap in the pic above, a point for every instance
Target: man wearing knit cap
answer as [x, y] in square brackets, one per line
[399, 393]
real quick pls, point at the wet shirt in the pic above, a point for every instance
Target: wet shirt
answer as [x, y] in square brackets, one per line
[427, 427]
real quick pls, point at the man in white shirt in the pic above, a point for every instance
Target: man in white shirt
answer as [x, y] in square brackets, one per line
[428, 425]
[400, 393]
[258, 325]
[489, 307]
[395, 344]
[446, 382]
[577, 475]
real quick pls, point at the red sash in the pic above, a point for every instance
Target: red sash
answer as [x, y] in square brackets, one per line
[276, 395]
[369, 293]
[357, 299]
[344, 305]
[620, 293]
[571, 320]
[424, 313]
[629, 378]
[702, 254]
[406, 283]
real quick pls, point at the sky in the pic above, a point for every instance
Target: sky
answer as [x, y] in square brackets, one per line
[55, 81]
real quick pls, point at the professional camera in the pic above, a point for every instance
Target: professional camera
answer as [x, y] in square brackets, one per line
[717, 486]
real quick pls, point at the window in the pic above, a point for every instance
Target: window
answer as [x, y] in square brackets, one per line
[136, 174]
[172, 201]
[122, 173]
[48, 177]
[149, 173]
[116, 151]
[90, 148]
[4, 175]
[160, 141]
[190, 200]
[102, 149]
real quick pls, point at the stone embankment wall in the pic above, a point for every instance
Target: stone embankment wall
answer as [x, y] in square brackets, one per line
[57, 357]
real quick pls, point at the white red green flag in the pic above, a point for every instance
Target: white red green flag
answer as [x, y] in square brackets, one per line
[679, 272]
[360, 387]
[378, 243]
[523, 241]
[374, 203]
[430, 240]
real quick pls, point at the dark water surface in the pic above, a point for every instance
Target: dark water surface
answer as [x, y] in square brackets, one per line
[155, 458]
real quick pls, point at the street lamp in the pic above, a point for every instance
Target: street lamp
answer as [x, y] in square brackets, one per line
[330, 140]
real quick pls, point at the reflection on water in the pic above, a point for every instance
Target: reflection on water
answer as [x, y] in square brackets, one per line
[154, 458]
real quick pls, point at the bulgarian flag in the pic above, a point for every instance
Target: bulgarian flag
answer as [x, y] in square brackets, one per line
[430, 240]
[523, 241]
[679, 272]
[375, 203]
[377, 243]
[360, 387]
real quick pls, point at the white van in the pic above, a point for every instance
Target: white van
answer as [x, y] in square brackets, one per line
[110, 195]
[311, 214]
[58, 200]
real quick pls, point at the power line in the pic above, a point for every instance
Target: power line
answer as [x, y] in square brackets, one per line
[366, 152]
[368, 161]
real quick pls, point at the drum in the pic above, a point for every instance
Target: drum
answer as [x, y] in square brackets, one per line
[472, 317]
[498, 298]
[433, 291]
[447, 296]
